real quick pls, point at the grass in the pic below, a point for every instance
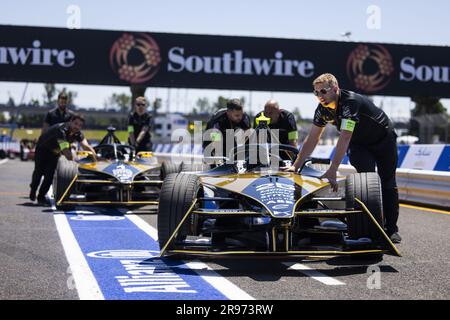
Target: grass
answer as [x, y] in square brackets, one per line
[89, 134]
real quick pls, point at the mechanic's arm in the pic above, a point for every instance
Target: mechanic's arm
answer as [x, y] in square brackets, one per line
[309, 144]
[86, 146]
[142, 134]
[67, 152]
[44, 127]
[131, 138]
[341, 148]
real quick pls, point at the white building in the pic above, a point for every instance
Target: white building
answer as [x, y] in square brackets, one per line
[165, 124]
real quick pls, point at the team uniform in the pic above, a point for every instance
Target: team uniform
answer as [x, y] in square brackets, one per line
[55, 116]
[286, 125]
[135, 124]
[373, 143]
[48, 150]
[220, 121]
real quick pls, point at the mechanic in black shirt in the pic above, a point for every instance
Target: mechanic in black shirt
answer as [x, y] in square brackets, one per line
[139, 125]
[58, 114]
[367, 133]
[281, 120]
[51, 144]
[231, 118]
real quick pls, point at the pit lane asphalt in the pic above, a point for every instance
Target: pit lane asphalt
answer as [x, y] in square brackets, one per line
[33, 264]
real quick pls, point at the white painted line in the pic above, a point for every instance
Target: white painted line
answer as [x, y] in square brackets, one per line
[4, 161]
[144, 226]
[316, 275]
[226, 287]
[85, 281]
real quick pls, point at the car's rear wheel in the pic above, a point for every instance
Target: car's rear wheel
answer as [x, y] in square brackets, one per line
[169, 168]
[177, 195]
[65, 172]
[193, 167]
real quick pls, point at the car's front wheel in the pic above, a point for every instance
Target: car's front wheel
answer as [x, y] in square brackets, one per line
[177, 195]
[65, 173]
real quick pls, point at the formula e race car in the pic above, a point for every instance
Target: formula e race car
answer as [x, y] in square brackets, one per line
[246, 207]
[116, 176]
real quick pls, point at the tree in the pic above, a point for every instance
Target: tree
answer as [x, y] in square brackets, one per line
[427, 105]
[119, 102]
[49, 96]
[157, 105]
[219, 104]
[202, 105]
[297, 114]
[136, 91]
[11, 102]
[71, 95]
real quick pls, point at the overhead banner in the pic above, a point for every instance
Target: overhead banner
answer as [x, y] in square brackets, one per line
[35, 54]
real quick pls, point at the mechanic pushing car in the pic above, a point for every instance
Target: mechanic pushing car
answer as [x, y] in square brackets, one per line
[366, 133]
[281, 120]
[233, 117]
[51, 144]
[59, 114]
[139, 125]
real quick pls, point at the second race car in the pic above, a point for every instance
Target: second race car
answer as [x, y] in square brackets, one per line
[115, 176]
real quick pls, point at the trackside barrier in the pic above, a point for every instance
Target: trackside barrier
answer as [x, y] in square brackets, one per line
[418, 183]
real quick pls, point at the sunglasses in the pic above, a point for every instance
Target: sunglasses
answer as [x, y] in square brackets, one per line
[323, 91]
[140, 104]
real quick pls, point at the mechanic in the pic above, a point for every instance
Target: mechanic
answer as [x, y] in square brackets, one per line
[282, 120]
[366, 133]
[58, 114]
[51, 144]
[139, 125]
[233, 117]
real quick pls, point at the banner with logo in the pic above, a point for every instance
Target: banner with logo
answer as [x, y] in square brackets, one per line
[35, 54]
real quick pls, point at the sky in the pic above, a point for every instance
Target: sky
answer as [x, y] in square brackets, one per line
[404, 22]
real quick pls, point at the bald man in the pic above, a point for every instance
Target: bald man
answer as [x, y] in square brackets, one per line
[282, 120]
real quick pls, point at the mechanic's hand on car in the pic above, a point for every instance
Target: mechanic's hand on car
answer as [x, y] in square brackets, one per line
[331, 176]
[288, 169]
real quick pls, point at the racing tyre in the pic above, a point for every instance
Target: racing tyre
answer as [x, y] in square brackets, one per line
[65, 172]
[367, 188]
[193, 167]
[168, 168]
[177, 193]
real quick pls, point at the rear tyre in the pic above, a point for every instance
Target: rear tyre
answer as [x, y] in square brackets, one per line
[177, 194]
[168, 168]
[65, 172]
[193, 167]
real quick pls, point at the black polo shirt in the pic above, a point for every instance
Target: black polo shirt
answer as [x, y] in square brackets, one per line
[356, 113]
[55, 116]
[286, 125]
[221, 122]
[57, 138]
[135, 124]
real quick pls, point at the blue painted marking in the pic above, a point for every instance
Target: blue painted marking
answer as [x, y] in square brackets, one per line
[443, 163]
[402, 151]
[132, 277]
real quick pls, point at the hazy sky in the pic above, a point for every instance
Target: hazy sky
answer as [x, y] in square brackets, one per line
[406, 22]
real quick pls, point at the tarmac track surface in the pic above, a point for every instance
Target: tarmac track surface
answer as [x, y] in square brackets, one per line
[108, 254]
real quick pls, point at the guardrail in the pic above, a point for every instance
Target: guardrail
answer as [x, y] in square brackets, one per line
[421, 186]
[427, 187]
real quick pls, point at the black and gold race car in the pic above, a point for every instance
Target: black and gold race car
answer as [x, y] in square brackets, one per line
[116, 176]
[246, 207]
